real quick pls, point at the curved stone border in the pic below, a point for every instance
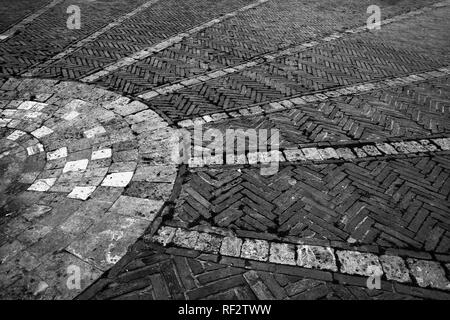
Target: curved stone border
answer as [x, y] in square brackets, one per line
[98, 171]
[258, 60]
[389, 266]
[298, 101]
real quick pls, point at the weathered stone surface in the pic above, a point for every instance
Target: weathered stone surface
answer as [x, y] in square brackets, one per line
[119, 179]
[165, 235]
[255, 250]
[231, 246]
[186, 239]
[316, 257]
[364, 264]
[428, 274]
[282, 253]
[208, 243]
[395, 268]
[136, 207]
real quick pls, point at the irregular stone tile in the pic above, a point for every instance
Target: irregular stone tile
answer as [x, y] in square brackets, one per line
[328, 153]
[38, 148]
[165, 235]
[185, 238]
[60, 272]
[71, 115]
[107, 241]
[443, 143]
[360, 152]
[33, 234]
[364, 264]
[208, 243]
[311, 153]
[81, 193]
[395, 268]
[282, 253]
[386, 148]
[57, 154]
[255, 249]
[136, 207]
[42, 184]
[35, 211]
[294, 155]
[119, 179]
[130, 108]
[101, 154]
[42, 132]
[9, 250]
[231, 246]
[316, 257]
[371, 151]
[15, 135]
[91, 133]
[76, 224]
[155, 173]
[428, 145]
[76, 166]
[428, 274]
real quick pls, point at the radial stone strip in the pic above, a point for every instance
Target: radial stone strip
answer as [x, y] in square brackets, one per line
[164, 45]
[364, 151]
[427, 273]
[299, 101]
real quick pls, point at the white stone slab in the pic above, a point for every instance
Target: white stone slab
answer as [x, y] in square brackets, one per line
[42, 184]
[15, 135]
[81, 193]
[77, 166]
[42, 132]
[57, 154]
[119, 179]
[37, 148]
[101, 154]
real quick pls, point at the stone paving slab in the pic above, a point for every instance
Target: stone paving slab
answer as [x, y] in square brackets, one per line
[88, 186]
[67, 155]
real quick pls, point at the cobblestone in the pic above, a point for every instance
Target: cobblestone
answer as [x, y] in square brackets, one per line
[361, 183]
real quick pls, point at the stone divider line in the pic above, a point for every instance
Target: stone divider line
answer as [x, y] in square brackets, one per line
[8, 33]
[89, 39]
[297, 101]
[166, 44]
[410, 270]
[260, 59]
[361, 151]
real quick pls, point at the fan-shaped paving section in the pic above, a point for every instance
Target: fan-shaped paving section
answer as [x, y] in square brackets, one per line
[74, 163]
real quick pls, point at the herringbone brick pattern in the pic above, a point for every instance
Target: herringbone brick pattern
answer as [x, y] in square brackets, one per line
[401, 203]
[163, 20]
[413, 111]
[332, 65]
[12, 11]
[154, 274]
[269, 28]
[48, 34]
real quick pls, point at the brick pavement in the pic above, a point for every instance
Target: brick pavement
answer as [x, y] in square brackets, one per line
[88, 180]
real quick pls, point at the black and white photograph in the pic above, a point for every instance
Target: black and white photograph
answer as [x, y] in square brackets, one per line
[224, 154]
